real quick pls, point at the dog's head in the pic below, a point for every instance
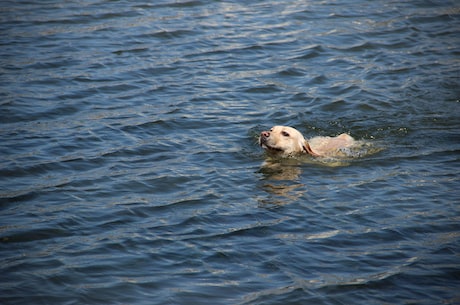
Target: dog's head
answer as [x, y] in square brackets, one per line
[283, 141]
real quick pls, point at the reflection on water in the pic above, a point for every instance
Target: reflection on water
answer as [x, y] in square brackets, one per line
[281, 181]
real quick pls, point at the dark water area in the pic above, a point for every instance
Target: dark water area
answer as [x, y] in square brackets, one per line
[130, 171]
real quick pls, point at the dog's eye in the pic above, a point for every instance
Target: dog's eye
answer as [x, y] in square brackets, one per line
[284, 133]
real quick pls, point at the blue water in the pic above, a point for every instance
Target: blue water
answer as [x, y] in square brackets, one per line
[130, 171]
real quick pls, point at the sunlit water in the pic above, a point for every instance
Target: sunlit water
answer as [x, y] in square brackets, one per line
[130, 170]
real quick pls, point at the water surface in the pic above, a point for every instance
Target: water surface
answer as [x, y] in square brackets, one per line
[130, 171]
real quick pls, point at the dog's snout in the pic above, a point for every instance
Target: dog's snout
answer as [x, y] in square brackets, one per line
[265, 134]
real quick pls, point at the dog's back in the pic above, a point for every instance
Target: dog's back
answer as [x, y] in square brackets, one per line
[331, 146]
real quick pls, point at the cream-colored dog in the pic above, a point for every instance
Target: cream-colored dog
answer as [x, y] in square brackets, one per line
[286, 141]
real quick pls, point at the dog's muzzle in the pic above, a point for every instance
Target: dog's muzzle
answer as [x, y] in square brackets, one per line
[263, 139]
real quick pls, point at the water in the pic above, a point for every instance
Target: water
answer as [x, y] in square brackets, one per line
[130, 171]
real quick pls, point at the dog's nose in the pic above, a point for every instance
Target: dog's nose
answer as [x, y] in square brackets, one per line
[265, 134]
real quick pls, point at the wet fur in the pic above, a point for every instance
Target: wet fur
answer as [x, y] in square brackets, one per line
[285, 141]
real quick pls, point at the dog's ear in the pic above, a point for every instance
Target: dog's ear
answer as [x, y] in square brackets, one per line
[307, 149]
